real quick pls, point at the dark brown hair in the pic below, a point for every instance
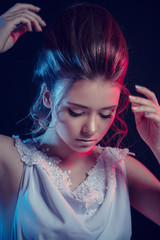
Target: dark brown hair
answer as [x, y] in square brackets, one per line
[82, 43]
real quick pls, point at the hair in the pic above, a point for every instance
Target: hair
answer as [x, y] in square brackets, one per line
[82, 43]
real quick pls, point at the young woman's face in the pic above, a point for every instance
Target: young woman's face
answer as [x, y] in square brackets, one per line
[87, 113]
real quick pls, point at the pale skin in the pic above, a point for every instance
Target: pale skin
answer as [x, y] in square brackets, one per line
[16, 21]
[95, 111]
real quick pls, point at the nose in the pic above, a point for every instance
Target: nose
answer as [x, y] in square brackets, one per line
[90, 126]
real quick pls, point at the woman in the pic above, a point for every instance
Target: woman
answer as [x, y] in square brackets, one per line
[62, 184]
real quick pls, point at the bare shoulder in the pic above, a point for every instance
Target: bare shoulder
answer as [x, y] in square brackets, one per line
[7, 149]
[136, 172]
[6, 146]
[5, 141]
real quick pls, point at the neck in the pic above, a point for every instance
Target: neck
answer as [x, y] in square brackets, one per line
[50, 140]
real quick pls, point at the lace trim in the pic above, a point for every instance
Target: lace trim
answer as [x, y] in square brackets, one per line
[93, 189]
[28, 155]
[57, 176]
[116, 155]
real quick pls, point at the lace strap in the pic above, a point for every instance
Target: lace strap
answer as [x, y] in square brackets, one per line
[115, 155]
[27, 153]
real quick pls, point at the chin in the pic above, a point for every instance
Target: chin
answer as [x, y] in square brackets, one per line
[84, 149]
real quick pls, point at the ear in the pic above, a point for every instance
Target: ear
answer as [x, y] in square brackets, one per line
[46, 96]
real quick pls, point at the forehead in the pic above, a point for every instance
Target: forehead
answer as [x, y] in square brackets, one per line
[96, 93]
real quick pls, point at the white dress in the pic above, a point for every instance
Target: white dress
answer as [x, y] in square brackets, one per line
[98, 209]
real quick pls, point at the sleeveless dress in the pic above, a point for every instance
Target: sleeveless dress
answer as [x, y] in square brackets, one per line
[98, 209]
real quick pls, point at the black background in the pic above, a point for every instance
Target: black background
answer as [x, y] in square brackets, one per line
[140, 23]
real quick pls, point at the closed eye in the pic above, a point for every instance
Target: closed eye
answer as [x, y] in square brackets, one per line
[78, 114]
[105, 116]
[75, 114]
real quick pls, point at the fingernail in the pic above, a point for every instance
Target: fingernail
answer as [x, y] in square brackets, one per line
[138, 87]
[131, 97]
[134, 108]
[38, 8]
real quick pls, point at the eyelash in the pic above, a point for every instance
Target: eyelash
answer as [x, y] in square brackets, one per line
[105, 116]
[73, 114]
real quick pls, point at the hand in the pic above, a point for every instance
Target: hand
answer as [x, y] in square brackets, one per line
[16, 21]
[147, 117]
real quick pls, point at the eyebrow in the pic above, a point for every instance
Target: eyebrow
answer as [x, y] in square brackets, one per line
[81, 106]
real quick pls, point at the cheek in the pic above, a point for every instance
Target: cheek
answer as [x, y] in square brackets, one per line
[106, 125]
[68, 127]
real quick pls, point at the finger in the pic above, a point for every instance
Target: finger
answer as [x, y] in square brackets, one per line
[147, 93]
[14, 24]
[24, 19]
[33, 21]
[28, 14]
[140, 100]
[23, 6]
[24, 27]
[148, 116]
[152, 116]
[37, 18]
[141, 109]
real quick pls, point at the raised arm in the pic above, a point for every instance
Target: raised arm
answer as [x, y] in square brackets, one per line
[16, 21]
[144, 188]
[147, 118]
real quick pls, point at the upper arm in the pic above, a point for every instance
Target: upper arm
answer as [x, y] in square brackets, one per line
[10, 168]
[5, 143]
[144, 189]
[10, 175]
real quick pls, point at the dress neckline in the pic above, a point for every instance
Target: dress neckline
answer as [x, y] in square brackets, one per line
[55, 160]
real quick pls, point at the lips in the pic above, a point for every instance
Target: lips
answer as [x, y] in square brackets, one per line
[86, 140]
